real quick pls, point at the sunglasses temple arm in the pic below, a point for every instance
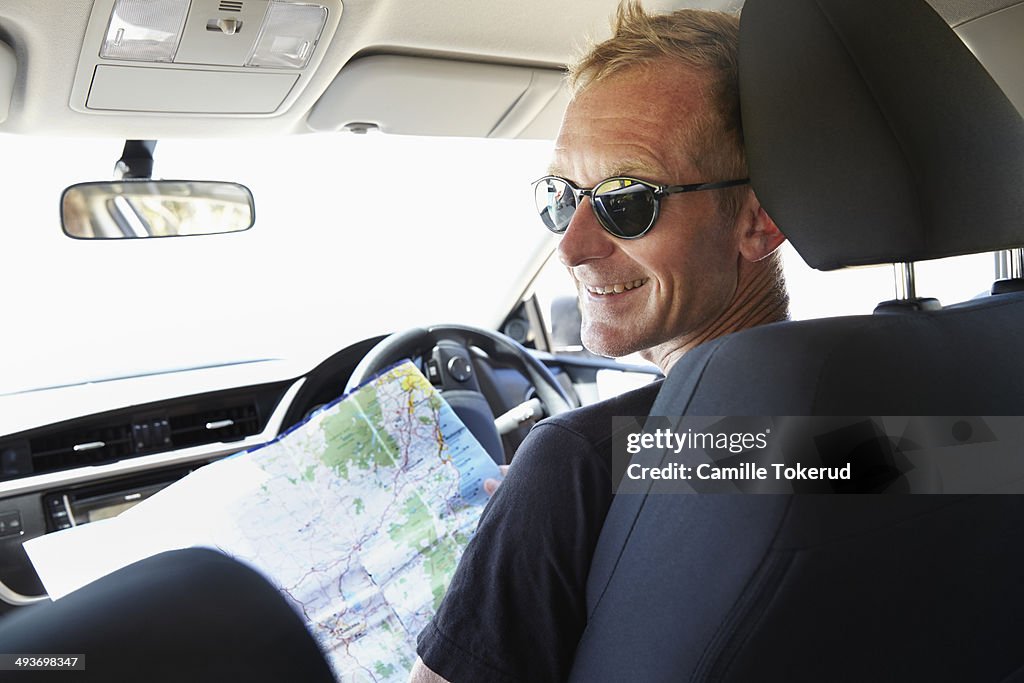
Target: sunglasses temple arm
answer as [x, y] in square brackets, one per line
[698, 187]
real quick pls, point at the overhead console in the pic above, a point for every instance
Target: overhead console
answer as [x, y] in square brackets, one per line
[237, 57]
[412, 95]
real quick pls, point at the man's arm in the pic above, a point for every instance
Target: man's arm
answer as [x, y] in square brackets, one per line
[421, 674]
[516, 606]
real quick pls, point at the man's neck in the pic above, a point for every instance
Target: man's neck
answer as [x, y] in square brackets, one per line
[760, 298]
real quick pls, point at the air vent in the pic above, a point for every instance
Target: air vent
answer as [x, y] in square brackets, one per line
[230, 6]
[224, 424]
[79, 448]
[160, 427]
[151, 435]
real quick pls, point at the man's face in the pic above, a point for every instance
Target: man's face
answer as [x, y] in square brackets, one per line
[634, 123]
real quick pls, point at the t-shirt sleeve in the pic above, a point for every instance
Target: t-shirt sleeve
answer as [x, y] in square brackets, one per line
[516, 607]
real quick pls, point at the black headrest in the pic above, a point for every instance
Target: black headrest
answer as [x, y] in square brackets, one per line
[874, 135]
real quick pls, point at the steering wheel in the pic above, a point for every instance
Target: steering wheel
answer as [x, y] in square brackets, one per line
[450, 367]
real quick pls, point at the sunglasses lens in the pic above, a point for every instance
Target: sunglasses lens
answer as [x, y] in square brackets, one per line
[625, 206]
[556, 203]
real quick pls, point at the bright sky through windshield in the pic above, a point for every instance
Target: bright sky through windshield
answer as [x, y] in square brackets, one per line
[354, 236]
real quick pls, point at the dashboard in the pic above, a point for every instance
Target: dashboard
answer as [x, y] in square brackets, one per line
[94, 465]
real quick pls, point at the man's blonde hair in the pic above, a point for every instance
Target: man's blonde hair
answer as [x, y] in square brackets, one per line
[704, 41]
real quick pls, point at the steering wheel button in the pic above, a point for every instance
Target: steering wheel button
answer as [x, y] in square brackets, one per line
[433, 373]
[460, 368]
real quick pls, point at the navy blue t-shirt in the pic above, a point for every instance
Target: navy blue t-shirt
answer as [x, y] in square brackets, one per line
[516, 607]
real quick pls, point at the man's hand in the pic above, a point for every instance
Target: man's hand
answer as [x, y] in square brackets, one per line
[421, 674]
[491, 485]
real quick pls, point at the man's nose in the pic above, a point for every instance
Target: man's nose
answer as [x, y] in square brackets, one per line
[584, 240]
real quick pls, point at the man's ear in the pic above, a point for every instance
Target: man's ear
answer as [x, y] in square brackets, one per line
[759, 237]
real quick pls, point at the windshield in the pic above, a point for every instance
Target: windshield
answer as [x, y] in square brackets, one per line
[355, 236]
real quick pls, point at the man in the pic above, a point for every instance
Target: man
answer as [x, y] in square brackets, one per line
[660, 266]
[659, 270]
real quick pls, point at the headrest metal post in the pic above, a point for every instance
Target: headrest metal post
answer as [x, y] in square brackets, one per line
[1009, 271]
[1015, 262]
[1001, 263]
[905, 289]
[1010, 264]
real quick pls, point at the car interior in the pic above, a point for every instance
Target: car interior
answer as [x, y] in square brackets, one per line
[77, 450]
[876, 133]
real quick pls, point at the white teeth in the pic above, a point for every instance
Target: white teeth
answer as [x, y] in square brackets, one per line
[617, 288]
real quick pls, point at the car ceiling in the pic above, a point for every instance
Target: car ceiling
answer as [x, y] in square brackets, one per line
[51, 43]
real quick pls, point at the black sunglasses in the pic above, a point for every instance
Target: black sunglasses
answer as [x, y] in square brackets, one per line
[625, 207]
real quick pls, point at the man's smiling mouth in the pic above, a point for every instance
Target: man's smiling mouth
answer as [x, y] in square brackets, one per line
[617, 288]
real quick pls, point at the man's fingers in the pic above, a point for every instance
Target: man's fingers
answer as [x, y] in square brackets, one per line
[491, 485]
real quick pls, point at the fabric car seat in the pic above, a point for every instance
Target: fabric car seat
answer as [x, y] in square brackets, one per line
[192, 614]
[873, 136]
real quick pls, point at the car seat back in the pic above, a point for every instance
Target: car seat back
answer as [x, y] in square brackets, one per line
[873, 136]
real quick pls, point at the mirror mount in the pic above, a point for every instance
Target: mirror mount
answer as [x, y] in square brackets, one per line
[136, 160]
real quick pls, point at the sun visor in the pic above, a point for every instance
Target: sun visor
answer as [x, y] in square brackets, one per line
[440, 97]
[8, 71]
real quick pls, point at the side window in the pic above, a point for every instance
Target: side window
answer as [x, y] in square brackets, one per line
[556, 297]
[856, 291]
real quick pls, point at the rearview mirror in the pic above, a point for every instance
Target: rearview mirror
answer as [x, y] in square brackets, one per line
[155, 208]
